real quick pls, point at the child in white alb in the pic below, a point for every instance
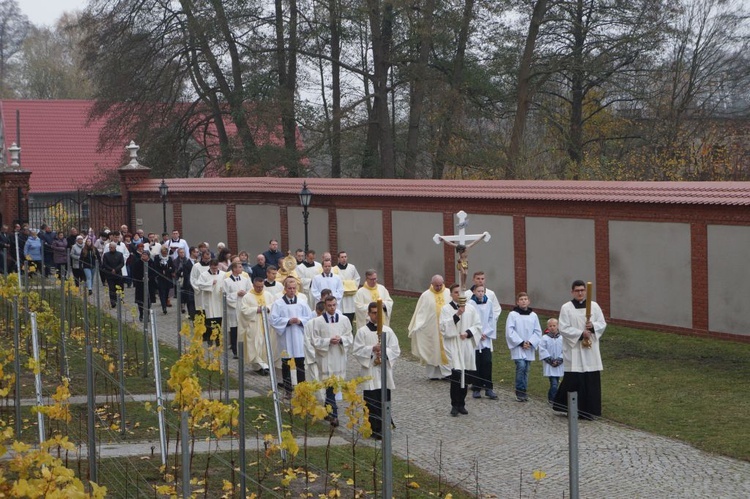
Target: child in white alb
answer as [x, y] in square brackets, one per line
[550, 353]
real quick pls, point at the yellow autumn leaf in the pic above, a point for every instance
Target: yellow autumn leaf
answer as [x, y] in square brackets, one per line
[539, 474]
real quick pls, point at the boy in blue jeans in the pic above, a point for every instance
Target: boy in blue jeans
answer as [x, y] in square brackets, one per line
[523, 334]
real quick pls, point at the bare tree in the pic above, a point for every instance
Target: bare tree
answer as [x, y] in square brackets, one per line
[14, 26]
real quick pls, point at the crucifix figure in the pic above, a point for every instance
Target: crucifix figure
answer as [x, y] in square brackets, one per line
[463, 242]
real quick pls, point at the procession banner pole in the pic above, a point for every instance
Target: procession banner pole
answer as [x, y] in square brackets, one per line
[37, 375]
[225, 345]
[385, 409]
[159, 397]
[17, 364]
[272, 376]
[241, 378]
[121, 364]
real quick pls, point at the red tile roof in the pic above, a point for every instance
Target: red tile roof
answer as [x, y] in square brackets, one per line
[715, 193]
[57, 146]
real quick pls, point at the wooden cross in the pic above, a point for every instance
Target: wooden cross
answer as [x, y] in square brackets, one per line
[465, 240]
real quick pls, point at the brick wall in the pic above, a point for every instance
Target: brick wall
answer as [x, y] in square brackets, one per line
[699, 216]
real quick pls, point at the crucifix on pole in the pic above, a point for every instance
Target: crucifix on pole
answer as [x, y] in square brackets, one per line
[463, 242]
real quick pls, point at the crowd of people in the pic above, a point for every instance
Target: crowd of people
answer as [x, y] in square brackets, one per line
[313, 307]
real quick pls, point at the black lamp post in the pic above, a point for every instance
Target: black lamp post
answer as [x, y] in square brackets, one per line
[305, 196]
[163, 190]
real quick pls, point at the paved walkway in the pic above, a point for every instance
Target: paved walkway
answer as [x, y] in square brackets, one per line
[500, 443]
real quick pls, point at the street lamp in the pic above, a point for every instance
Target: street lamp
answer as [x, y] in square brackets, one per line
[163, 190]
[305, 196]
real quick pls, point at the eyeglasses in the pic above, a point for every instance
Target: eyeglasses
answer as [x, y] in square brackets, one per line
[579, 290]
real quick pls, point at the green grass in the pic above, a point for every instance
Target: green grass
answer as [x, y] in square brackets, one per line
[409, 481]
[142, 424]
[691, 389]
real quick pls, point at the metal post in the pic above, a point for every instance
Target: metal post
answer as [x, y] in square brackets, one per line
[43, 273]
[18, 261]
[305, 214]
[37, 375]
[225, 341]
[159, 397]
[91, 410]
[272, 376]
[63, 349]
[86, 322]
[573, 444]
[241, 378]
[121, 364]
[17, 364]
[186, 489]
[178, 297]
[97, 278]
[385, 415]
[146, 318]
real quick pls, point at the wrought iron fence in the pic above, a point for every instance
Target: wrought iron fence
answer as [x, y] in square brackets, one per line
[81, 210]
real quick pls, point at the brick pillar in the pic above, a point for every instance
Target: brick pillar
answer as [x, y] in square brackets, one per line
[519, 252]
[699, 275]
[14, 196]
[387, 279]
[333, 236]
[601, 264]
[232, 228]
[284, 229]
[130, 175]
[177, 217]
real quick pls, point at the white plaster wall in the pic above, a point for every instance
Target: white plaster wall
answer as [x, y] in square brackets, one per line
[650, 276]
[361, 236]
[151, 216]
[728, 278]
[205, 222]
[558, 251]
[416, 258]
[256, 225]
[317, 229]
[495, 257]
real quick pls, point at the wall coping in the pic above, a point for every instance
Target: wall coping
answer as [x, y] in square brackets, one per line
[685, 193]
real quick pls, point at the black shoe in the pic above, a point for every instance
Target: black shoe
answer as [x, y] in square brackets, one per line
[164, 310]
[265, 372]
[235, 357]
[462, 410]
[377, 436]
[454, 412]
[114, 305]
[90, 292]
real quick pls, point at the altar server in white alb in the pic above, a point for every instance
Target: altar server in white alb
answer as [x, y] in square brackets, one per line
[350, 280]
[236, 285]
[306, 270]
[289, 314]
[251, 328]
[523, 334]
[327, 280]
[369, 354]
[481, 379]
[551, 354]
[479, 280]
[211, 288]
[461, 328]
[581, 357]
[369, 292]
[332, 339]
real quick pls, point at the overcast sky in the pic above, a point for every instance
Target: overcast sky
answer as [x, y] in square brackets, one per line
[48, 11]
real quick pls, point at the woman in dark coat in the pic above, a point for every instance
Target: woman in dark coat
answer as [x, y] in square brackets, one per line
[60, 253]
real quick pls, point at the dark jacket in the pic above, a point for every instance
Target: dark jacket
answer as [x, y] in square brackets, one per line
[112, 263]
[60, 251]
